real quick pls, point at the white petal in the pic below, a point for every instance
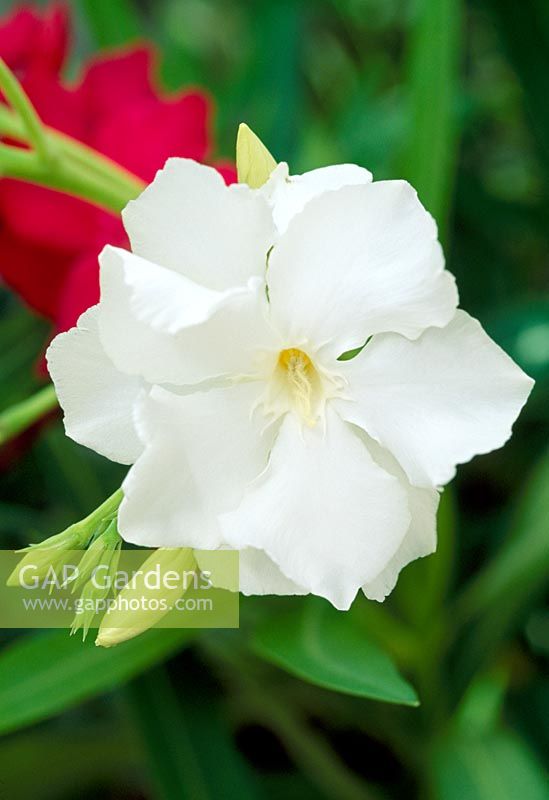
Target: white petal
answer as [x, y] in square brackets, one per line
[289, 194]
[151, 322]
[438, 401]
[258, 574]
[97, 399]
[322, 510]
[421, 536]
[189, 221]
[358, 261]
[201, 451]
[166, 300]
[420, 541]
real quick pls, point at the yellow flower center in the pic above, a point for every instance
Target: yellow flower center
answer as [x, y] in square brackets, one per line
[293, 382]
[302, 382]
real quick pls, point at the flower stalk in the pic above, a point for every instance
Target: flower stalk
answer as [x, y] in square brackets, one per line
[104, 552]
[22, 415]
[53, 550]
[66, 175]
[30, 120]
[55, 159]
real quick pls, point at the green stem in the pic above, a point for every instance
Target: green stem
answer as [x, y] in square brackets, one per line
[22, 415]
[309, 750]
[84, 529]
[18, 99]
[78, 169]
[98, 163]
[107, 510]
[68, 176]
[11, 126]
[56, 162]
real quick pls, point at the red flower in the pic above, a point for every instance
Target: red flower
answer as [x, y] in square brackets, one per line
[49, 242]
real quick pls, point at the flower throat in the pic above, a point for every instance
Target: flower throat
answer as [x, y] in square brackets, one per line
[301, 379]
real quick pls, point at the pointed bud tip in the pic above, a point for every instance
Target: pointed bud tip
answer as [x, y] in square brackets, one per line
[254, 163]
[122, 622]
[109, 637]
[244, 129]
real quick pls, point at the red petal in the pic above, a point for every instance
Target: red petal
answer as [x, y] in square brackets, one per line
[17, 34]
[81, 286]
[36, 274]
[227, 170]
[58, 106]
[29, 40]
[113, 81]
[166, 128]
[53, 38]
[80, 291]
[46, 218]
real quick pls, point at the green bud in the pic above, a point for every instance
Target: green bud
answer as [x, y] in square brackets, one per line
[99, 561]
[56, 551]
[101, 552]
[254, 163]
[121, 622]
[53, 552]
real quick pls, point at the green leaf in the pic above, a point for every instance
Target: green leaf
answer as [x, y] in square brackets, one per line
[430, 156]
[478, 761]
[113, 22]
[269, 93]
[537, 632]
[190, 753]
[327, 648]
[524, 32]
[489, 767]
[42, 675]
[22, 336]
[481, 708]
[521, 567]
[496, 601]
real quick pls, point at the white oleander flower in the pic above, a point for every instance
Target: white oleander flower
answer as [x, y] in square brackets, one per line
[212, 365]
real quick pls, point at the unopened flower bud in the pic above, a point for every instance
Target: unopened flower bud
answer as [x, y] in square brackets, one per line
[254, 163]
[103, 552]
[54, 553]
[96, 574]
[138, 606]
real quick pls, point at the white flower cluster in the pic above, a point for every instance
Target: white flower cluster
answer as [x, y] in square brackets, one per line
[212, 364]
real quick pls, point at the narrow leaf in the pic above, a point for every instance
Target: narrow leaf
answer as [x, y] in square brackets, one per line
[430, 155]
[327, 648]
[496, 601]
[524, 32]
[43, 675]
[190, 753]
[521, 567]
[489, 767]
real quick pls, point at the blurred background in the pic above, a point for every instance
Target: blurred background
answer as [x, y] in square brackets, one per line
[454, 97]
